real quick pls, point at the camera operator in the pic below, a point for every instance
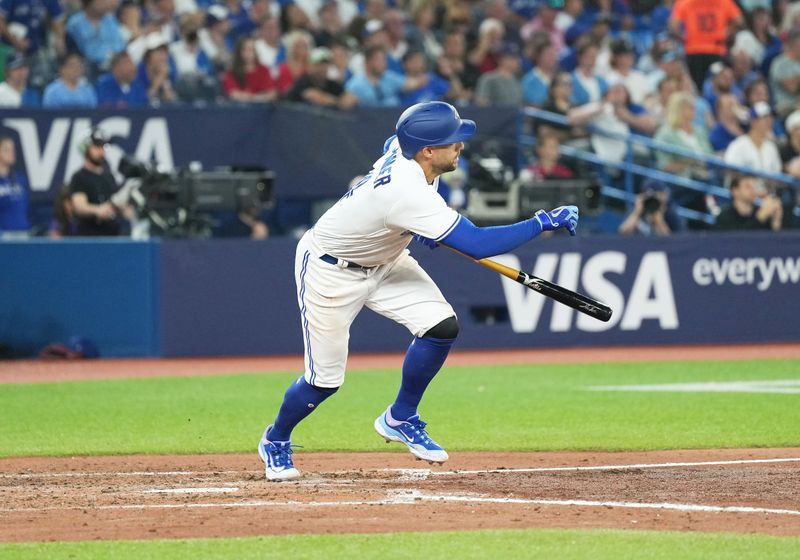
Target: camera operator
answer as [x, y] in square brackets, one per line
[91, 188]
[648, 216]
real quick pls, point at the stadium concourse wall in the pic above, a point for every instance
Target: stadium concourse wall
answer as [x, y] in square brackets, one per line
[237, 297]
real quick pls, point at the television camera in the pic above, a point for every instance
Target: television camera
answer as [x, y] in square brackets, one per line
[183, 203]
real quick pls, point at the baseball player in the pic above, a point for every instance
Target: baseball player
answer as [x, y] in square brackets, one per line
[356, 255]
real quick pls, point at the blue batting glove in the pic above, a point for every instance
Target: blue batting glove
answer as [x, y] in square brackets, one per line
[563, 216]
[429, 243]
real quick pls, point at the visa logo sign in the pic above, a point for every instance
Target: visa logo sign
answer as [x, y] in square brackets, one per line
[43, 154]
[651, 296]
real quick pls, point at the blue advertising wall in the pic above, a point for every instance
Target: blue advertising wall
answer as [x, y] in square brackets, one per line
[179, 298]
[313, 152]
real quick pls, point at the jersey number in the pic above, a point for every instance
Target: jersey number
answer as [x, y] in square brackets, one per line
[707, 22]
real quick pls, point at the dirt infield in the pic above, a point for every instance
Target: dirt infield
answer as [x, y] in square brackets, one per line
[142, 497]
[156, 496]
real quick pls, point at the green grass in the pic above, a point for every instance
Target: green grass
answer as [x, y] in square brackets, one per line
[505, 544]
[497, 408]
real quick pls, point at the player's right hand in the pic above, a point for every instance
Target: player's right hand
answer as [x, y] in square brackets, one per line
[563, 216]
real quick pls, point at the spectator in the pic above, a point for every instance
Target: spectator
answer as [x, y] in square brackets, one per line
[421, 33]
[188, 55]
[456, 92]
[648, 216]
[703, 112]
[14, 221]
[501, 87]
[490, 42]
[545, 21]
[340, 58]
[791, 149]
[729, 119]
[587, 86]
[679, 130]
[558, 103]
[269, 49]
[14, 92]
[394, 22]
[431, 88]
[378, 86]
[330, 26]
[132, 30]
[91, 188]
[656, 105]
[758, 39]
[248, 81]
[455, 49]
[619, 115]
[161, 17]
[536, 82]
[743, 71]
[623, 59]
[548, 166]
[293, 18]
[120, 88]
[755, 149]
[156, 72]
[63, 223]
[24, 24]
[213, 37]
[250, 17]
[314, 87]
[566, 18]
[744, 213]
[705, 26]
[784, 75]
[298, 47]
[596, 34]
[719, 81]
[96, 32]
[71, 89]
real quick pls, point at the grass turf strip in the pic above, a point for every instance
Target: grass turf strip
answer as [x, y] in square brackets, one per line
[550, 543]
[541, 407]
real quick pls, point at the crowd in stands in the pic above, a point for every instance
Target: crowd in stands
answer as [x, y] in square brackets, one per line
[717, 77]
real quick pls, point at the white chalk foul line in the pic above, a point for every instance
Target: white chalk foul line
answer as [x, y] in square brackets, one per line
[410, 497]
[421, 474]
[199, 490]
[120, 473]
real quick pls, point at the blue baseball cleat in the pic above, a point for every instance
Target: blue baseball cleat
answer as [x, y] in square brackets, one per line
[412, 433]
[277, 457]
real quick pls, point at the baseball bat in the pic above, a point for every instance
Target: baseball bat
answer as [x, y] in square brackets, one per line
[579, 302]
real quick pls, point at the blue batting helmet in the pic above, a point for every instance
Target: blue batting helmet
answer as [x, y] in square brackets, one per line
[433, 123]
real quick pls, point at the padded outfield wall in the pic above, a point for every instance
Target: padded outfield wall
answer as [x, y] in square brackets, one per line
[236, 297]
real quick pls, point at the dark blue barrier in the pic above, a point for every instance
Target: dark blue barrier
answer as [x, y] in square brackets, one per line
[106, 291]
[314, 152]
[178, 298]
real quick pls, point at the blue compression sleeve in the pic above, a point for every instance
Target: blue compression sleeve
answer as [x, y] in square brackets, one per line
[481, 242]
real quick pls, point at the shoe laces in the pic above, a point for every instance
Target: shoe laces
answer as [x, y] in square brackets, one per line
[281, 454]
[418, 427]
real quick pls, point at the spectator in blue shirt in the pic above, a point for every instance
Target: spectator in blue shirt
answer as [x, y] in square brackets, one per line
[729, 126]
[120, 87]
[13, 193]
[431, 86]
[32, 17]
[587, 86]
[71, 89]
[536, 82]
[14, 92]
[377, 86]
[96, 32]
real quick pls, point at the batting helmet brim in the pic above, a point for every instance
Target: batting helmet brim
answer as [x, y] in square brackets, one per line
[463, 133]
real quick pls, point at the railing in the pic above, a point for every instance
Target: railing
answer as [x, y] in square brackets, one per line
[630, 169]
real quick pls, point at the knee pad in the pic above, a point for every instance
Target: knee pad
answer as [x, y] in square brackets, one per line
[447, 329]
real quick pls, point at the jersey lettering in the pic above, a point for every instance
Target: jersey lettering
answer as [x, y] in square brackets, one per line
[385, 172]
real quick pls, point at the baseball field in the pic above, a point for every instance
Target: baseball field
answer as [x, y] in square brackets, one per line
[584, 453]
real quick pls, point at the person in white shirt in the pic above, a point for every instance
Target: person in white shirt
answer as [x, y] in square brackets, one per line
[623, 59]
[756, 149]
[16, 84]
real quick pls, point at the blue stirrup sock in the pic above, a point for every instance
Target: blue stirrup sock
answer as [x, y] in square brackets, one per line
[300, 400]
[423, 361]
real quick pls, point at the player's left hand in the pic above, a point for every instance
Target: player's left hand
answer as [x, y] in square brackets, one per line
[563, 216]
[429, 243]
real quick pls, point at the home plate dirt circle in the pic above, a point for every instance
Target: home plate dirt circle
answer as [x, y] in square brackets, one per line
[157, 496]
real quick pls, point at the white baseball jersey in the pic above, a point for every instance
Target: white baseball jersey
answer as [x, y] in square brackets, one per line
[370, 224]
[370, 227]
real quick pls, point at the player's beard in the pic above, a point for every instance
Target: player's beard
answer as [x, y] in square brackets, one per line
[449, 165]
